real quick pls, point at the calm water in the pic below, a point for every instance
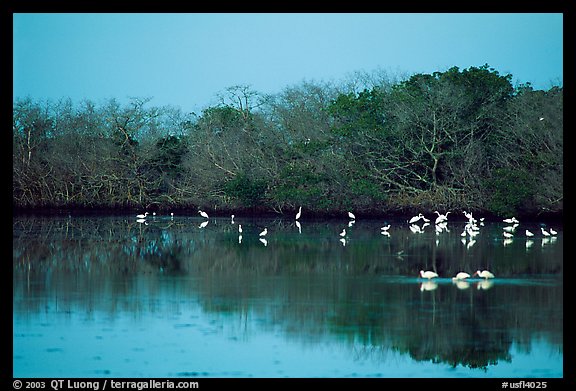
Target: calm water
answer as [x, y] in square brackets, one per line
[110, 297]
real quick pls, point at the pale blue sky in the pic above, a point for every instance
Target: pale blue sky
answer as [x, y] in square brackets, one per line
[185, 60]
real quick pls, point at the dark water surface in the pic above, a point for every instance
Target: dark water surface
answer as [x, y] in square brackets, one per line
[111, 297]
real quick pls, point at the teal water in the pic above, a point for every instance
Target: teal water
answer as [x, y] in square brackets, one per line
[110, 297]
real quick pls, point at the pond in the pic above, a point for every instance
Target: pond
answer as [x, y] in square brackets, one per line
[108, 296]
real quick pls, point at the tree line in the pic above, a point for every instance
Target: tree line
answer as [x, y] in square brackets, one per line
[458, 139]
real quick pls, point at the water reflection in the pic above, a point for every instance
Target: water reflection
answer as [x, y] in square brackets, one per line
[303, 289]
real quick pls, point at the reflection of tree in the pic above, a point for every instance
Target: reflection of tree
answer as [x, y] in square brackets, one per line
[322, 293]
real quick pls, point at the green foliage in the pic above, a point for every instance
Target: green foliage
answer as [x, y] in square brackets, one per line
[299, 184]
[353, 113]
[250, 192]
[510, 191]
[170, 151]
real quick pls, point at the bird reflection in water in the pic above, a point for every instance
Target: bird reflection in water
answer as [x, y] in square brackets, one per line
[461, 284]
[428, 286]
[484, 285]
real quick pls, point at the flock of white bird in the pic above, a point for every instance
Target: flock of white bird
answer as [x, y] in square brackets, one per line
[471, 229]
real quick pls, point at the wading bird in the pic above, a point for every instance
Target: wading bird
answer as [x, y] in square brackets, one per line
[203, 214]
[441, 218]
[351, 215]
[484, 274]
[428, 274]
[299, 213]
[142, 216]
[511, 220]
[416, 218]
[461, 276]
[263, 233]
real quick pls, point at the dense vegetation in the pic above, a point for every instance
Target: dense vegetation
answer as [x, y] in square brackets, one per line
[458, 139]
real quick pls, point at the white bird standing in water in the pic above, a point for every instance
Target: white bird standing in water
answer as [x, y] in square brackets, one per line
[528, 233]
[142, 216]
[552, 232]
[428, 274]
[461, 276]
[232, 219]
[263, 233]
[415, 218]
[484, 274]
[203, 214]
[343, 233]
[544, 232]
[351, 215]
[299, 213]
[441, 218]
[239, 228]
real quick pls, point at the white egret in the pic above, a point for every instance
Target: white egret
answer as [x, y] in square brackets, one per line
[142, 216]
[511, 220]
[461, 276]
[415, 218]
[299, 213]
[528, 233]
[428, 274]
[552, 232]
[351, 215]
[484, 274]
[232, 219]
[263, 233]
[507, 235]
[441, 217]
[343, 233]
[239, 228]
[385, 228]
[203, 214]
[544, 232]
